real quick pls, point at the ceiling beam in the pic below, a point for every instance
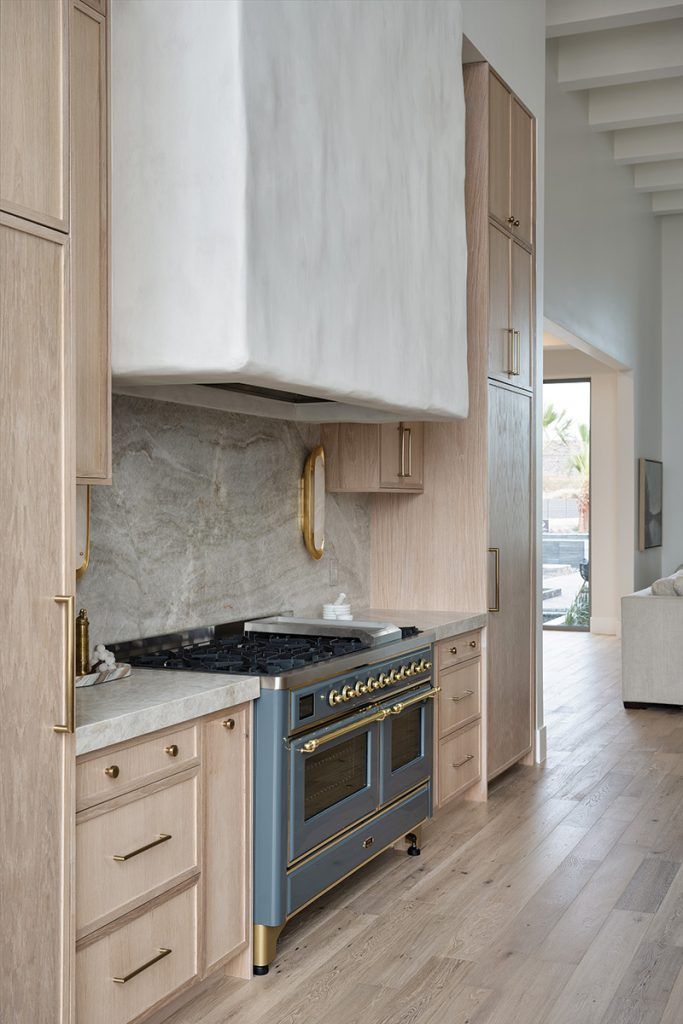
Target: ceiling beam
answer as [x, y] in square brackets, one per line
[569, 17]
[654, 142]
[635, 54]
[640, 103]
[667, 202]
[659, 177]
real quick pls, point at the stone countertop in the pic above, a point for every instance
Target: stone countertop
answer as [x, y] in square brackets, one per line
[439, 624]
[151, 699]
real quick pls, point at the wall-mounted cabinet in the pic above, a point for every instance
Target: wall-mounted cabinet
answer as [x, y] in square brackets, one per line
[374, 457]
[90, 241]
[511, 310]
[34, 118]
[511, 165]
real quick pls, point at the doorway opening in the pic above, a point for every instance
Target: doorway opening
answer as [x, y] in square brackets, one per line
[566, 540]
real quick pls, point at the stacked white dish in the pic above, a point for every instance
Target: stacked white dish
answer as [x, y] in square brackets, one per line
[338, 610]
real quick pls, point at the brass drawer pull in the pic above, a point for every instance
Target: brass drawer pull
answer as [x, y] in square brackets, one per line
[229, 723]
[112, 771]
[473, 643]
[463, 696]
[143, 967]
[459, 764]
[172, 751]
[454, 650]
[163, 838]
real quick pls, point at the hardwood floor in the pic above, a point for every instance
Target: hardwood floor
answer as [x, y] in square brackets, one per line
[560, 901]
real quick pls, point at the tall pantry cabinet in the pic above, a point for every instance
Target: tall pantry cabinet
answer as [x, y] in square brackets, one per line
[466, 542]
[48, 117]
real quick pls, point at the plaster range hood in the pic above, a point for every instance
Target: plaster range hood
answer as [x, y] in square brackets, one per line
[287, 207]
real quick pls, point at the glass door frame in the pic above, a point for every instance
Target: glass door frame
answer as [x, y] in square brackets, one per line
[564, 628]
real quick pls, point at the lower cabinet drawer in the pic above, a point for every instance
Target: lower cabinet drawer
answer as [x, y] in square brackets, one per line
[124, 854]
[458, 648]
[459, 761]
[460, 697]
[322, 870]
[129, 970]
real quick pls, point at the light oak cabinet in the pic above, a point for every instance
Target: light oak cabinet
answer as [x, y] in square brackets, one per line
[374, 457]
[511, 163]
[90, 241]
[511, 312]
[163, 866]
[458, 759]
[37, 495]
[34, 122]
[510, 631]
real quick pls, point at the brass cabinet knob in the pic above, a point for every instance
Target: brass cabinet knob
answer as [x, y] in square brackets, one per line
[112, 771]
[172, 751]
[515, 223]
[454, 650]
[511, 220]
[229, 723]
[473, 643]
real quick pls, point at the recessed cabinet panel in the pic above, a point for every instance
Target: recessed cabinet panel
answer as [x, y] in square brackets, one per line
[521, 172]
[90, 247]
[522, 314]
[33, 111]
[499, 150]
[500, 339]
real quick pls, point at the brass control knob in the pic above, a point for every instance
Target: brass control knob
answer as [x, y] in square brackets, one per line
[334, 698]
[393, 675]
[402, 672]
[414, 667]
[347, 693]
[428, 664]
[372, 684]
[382, 681]
[360, 688]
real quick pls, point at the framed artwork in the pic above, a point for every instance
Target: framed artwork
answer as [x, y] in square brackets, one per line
[650, 504]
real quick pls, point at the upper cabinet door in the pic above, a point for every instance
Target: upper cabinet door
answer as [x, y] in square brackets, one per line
[499, 150]
[90, 243]
[522, 172]
[34, 178]
[401, 456]
[500, 335]
[522, 314]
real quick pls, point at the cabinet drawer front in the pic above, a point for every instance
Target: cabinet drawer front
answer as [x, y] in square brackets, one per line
[458, 648]
[122, 855]
[119, 771]
[460, 697]
[119, 954]
[459, 761]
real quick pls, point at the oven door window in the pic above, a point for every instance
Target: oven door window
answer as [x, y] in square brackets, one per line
[334, 774]
[406, 738]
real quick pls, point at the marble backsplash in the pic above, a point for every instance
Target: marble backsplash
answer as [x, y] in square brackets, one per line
[201, 524]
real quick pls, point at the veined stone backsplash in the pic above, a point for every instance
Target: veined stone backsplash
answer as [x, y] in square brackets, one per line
[201, 524]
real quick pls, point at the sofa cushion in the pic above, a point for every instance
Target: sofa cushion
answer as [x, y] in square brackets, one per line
[669, 586]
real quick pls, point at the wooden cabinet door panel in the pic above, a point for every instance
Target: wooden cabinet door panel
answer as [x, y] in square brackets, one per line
[401, 456]
[522, 313]
[499, 150]
[37, 497]
[227, 835]
[34, 150]
[510, 629]
[522, 171]
[499, 304]
[89, 243]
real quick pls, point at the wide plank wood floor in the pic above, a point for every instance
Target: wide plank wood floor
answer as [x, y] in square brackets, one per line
[560, 901]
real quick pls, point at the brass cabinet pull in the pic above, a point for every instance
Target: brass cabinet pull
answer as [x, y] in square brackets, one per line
[511, 351]
[69, 665]
[496, 603]
[229, 723]
[463, 696]
[112, 771]
[163, 838]
[405, 462]
[172, 750]
[466, 758]
[143, 967]
[517, 347]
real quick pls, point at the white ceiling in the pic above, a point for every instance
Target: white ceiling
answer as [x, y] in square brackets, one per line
[628, 55]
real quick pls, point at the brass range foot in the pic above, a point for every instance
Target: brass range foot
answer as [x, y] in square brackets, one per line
[265, 943]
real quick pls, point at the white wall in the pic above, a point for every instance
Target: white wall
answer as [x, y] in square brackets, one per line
[672, 390]
[602, 264]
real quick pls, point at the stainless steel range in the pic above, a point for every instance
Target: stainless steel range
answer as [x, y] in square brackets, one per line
[342, 747]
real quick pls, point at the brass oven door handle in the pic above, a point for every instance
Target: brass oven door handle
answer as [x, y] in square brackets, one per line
[69, 665]
[163, 838]
[463, 696]
[163, 952]
[396, 709]
[496, 604]
[310, 746]
[466, 758]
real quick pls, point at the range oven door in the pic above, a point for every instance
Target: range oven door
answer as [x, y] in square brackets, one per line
[334, 780]
[406, 746]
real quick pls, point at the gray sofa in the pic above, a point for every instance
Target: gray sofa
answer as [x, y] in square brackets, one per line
[651, 649]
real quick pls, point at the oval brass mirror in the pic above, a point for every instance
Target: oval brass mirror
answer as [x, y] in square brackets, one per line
[313, 502]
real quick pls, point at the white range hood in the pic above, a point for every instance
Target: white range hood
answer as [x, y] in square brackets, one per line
[288, 208]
